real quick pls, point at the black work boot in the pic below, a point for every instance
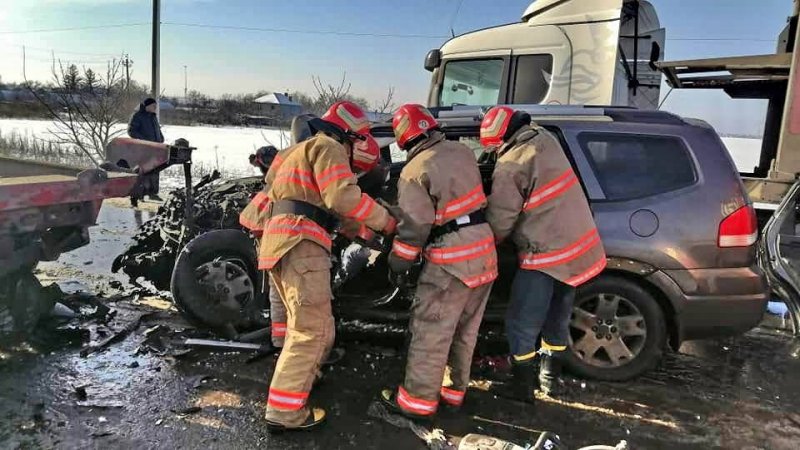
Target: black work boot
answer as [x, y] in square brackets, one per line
[550, 375]
[524, 380]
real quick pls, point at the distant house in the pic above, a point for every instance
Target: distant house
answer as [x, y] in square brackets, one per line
[277, 106]
[164, 105]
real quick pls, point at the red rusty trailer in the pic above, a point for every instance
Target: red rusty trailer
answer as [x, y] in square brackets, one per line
[46, 209]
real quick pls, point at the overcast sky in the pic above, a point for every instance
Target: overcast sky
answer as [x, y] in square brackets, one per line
[394, 38]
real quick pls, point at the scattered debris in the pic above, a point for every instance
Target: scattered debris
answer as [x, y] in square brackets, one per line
[80, 392]
[227, 345]
[63, 311]
[101, 404]
[196, 381]
[101, 433]
[187, 411]
[119, 336]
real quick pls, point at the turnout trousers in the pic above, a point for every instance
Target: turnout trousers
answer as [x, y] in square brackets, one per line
[445, 318]
[302, 278]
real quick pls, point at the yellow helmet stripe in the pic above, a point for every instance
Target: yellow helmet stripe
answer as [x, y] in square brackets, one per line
[494, 129]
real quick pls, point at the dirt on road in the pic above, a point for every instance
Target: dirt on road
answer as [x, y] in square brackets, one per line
[60, 388]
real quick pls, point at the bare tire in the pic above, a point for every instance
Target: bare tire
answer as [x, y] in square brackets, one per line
[617, 330]
[22, 302]
[216, 284]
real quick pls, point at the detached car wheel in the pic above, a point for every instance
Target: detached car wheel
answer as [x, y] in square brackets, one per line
[216, 283]
[617, 330]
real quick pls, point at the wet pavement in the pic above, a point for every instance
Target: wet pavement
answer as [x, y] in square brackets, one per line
[146, 391]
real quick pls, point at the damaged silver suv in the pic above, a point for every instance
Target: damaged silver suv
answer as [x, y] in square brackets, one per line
[677, 225]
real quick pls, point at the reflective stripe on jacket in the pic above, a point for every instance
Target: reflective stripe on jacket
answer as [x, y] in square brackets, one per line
[439, 183]
[537, 199]
[315, 171]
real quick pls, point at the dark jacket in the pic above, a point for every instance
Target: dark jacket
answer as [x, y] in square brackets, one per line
[144, 125]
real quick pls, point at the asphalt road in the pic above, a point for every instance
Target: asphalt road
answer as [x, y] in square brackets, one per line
[147, 391]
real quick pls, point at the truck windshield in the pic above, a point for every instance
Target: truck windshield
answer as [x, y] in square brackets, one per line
[471, 82]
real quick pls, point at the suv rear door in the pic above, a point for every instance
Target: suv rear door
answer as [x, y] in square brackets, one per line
[779, 253]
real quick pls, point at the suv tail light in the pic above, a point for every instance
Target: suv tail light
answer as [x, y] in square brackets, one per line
[739, 229]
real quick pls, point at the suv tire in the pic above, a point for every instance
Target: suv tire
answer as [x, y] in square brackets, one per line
[630, 315]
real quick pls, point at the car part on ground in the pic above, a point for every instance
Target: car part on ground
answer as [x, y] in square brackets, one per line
[216, 284]
[155, 248]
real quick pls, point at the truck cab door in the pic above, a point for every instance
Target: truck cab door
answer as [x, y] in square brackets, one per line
[779, 253]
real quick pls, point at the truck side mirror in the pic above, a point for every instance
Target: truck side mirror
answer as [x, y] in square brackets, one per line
[433, 59]
[655, 54]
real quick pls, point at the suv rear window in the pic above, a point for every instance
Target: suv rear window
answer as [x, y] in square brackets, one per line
[629, 166]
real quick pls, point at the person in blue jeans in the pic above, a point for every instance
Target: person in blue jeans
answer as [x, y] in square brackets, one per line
[537, 201]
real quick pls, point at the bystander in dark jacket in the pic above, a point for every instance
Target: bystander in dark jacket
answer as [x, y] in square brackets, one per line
[144, 125]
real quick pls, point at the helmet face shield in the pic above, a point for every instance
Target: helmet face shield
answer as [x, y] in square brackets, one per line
[366, 154]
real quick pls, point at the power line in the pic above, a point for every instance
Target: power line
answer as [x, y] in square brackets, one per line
[69, 52]
[298, 31]
[96, 27]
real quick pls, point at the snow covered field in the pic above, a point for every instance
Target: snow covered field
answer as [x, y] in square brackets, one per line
[227, 148]
[223, 148]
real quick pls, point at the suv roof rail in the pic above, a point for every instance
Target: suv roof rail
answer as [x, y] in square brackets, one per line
[464, 111]
[615, 113]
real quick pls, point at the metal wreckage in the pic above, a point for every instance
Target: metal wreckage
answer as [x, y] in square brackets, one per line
[208, 261]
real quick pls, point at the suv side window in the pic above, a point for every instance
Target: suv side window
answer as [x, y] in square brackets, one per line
[532, 75]
[629, 166]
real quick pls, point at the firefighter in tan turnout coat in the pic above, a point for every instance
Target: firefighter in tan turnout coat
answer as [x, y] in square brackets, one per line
[537, 200]
[309, 185]
[441, 202]
[255, 214]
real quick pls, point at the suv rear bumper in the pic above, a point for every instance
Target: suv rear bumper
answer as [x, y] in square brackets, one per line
[714, 302]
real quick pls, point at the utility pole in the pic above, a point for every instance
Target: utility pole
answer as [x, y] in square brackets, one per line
[185, 84]
[24, 74]
[155, 80]
[126, 61]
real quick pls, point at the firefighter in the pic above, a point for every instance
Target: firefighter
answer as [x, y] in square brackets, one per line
[441, 219]
[254, 216]
[310, 184]
[537, 200]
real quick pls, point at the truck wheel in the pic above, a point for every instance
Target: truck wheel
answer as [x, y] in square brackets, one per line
[216, 284]
[617, 330]
[23, 302]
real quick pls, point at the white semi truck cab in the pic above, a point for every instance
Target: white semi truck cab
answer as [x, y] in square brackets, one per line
[562, 52]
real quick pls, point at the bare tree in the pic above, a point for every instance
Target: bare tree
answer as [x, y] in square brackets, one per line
[386, 105]
[86, 120]
[327, 93]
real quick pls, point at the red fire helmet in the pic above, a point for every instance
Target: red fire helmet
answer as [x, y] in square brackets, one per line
[494, 126]
[411, 121]
[366, 154]
[348, 116]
